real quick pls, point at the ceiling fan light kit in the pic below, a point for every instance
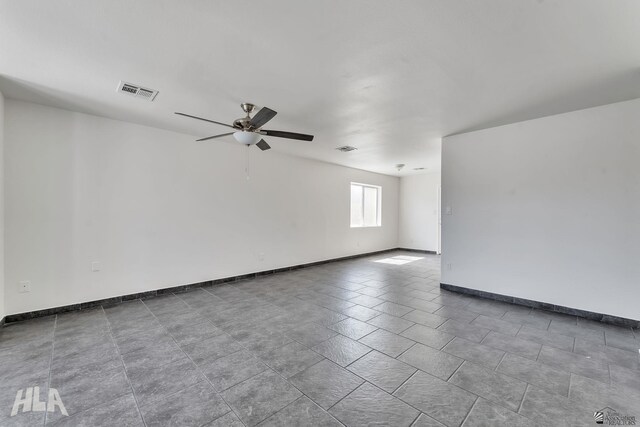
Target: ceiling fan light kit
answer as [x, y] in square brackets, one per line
[248, 130]
[247, 138]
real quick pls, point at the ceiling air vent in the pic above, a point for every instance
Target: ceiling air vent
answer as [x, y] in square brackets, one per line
[137, 91]
[346, 148]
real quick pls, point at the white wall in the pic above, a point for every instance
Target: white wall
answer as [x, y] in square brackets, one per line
[2, 290]
[548, 209]
[419, 211]
[158, 209]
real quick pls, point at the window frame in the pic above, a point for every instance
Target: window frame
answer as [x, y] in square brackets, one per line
[378, 189]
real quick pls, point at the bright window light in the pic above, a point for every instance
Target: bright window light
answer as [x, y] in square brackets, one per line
[365, 205]
[399, 260]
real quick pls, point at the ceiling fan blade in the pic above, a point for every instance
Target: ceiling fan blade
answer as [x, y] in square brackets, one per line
[263, 145]
[204, 120]
[215, 136]
[289, 135]
[263, 116]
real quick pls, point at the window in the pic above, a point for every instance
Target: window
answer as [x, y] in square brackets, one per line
[365, 205]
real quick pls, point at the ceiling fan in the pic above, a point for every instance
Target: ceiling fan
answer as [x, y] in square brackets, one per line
[248, 130]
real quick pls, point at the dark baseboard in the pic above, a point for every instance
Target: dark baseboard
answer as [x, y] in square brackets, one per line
[107, 302]
[590, 315]
[420, 251]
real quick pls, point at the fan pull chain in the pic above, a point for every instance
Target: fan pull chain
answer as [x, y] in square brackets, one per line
[246, 170]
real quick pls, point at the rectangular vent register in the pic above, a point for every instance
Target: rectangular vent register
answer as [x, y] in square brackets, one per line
[137, 91]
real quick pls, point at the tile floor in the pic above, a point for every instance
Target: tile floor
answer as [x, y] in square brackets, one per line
[358, 343]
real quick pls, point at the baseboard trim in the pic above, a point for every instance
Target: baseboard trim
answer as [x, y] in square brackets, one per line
[420, 251]
[107, 302]
[590, 315]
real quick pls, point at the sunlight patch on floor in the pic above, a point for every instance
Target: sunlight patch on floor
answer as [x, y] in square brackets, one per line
[399, 260]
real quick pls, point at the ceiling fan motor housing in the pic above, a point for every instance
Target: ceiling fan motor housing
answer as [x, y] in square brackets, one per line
[243, 123]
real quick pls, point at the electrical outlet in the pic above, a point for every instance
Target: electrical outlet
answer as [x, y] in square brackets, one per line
[261, 256]
[448, 210]
[96, 266]
[448, 266]
[24, 286]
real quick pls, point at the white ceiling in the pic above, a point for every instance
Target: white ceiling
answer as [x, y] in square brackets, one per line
[388, 77]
